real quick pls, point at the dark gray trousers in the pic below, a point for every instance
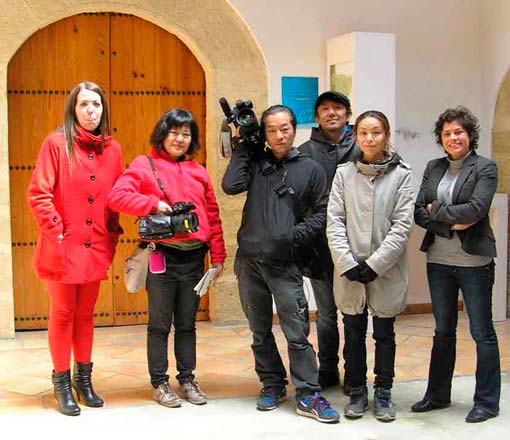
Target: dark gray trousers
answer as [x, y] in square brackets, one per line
[259, 283]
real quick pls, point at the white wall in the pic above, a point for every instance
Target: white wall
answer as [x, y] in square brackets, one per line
[440, 60]
[438, 54]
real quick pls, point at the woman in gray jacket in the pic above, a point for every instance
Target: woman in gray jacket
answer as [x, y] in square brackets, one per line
[453, 206]
[368, 229]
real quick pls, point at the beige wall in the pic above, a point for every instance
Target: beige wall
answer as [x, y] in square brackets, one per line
[501, 136]
[232, 62]
[495, 40]
[500, 144]
[6, 298]
[439, 64]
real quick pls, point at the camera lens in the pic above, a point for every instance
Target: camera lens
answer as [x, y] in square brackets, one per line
[192, 225]
[245, 118]
[185, 223]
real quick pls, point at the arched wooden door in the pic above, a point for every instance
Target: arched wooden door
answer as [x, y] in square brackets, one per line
[144, 71]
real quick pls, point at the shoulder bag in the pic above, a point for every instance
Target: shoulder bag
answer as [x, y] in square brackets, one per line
[136, 265]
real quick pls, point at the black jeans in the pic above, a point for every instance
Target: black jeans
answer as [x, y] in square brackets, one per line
[476, 285]
[321, 270]
[327, 321]
[259, 283]
[355, 350]
[171, 295]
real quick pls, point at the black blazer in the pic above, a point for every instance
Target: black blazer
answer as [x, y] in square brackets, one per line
[471, 201]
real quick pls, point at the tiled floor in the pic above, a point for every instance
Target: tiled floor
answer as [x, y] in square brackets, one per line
[224, 358]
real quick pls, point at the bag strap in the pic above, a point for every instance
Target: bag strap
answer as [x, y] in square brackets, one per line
[156, 175]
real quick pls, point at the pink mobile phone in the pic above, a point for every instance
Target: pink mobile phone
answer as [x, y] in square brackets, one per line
[157, 263]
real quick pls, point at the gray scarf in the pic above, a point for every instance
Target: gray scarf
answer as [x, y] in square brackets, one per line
[378, 168]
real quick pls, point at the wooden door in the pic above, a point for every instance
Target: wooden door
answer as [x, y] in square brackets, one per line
[144, 71]
[151, 71]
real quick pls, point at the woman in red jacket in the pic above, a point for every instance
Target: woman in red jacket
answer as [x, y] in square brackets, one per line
[76, 168]
[178, 262]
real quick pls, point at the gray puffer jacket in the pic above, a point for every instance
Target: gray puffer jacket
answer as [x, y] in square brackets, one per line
[371, 221]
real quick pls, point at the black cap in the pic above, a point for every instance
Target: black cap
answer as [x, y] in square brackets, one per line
[331, 95]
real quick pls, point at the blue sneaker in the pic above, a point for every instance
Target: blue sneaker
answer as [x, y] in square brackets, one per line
[270, 397]
[317, 407]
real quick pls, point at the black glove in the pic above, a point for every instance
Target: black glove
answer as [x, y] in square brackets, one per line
[353, 274]
[366, 273]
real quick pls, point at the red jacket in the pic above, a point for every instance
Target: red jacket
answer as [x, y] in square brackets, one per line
[137, 193]
[74, 204]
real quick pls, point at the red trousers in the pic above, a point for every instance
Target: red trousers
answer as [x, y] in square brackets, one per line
[71, 322]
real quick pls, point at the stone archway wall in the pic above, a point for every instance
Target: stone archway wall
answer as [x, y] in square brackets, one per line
[501, 136]
[500, 147]
[234, 67]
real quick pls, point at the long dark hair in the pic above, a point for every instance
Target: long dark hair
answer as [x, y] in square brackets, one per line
[175, 118]
[70, 120]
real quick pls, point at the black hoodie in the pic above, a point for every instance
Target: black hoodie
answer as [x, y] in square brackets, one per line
[270, 230]
[329, 154]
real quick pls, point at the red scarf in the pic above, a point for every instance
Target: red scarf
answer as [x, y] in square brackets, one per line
[88, 141]
[164, 155]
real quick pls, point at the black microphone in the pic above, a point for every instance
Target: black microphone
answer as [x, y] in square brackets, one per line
[225, 107]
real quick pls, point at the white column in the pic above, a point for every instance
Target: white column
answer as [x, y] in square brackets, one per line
[362, 66]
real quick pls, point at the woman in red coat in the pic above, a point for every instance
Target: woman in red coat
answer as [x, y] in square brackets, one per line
[76, 168]
[178, 263]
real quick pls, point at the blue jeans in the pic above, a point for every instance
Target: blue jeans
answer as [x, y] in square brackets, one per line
[476, 285]
[259, 283]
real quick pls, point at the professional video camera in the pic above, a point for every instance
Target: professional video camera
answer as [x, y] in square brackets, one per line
[180, 221]
[244, 118]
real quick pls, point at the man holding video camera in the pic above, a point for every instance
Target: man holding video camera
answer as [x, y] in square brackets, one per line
[330, 144]
[284, 210]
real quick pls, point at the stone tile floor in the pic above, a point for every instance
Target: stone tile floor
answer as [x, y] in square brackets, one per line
[224, 362]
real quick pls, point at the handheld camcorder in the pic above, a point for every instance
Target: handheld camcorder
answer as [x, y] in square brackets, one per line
[180, 221]
[244, 118]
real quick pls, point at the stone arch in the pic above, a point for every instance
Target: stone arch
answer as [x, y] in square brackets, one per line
[234, 67]
[501, 136]
[500, 151]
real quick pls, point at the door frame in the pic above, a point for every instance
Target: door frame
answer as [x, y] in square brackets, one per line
[203, 25]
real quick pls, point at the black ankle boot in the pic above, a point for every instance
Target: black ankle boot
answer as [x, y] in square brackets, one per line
[83, 385]
[64, 394]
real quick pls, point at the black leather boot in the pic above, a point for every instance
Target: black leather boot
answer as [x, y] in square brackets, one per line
[82, 383]
[64, 394]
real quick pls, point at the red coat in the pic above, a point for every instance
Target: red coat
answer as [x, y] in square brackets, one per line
[73, 203]
[137, 193]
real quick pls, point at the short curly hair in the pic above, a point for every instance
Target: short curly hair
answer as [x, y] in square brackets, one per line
[465, 118]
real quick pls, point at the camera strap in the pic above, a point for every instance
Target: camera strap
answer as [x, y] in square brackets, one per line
[278, 183]
[156, 175]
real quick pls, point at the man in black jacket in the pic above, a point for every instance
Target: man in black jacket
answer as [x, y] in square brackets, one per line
[285, 209]
[330, 144]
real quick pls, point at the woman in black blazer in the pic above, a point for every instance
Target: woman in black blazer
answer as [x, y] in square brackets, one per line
[453, 206]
